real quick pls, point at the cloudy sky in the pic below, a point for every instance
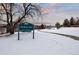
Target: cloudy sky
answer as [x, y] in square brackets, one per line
[57, 12]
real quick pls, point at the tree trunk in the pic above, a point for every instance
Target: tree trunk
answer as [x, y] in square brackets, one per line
[7, 28]
[12, 30]
[8, 25]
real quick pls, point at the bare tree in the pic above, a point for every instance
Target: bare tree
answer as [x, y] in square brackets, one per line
[23, 10]
[8, 11]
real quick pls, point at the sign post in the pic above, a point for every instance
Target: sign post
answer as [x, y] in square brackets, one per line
[33, 32]
[18, 33]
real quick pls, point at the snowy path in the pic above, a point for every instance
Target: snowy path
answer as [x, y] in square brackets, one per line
[70, 36]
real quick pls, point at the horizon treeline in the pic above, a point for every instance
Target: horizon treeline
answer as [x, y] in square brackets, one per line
[72, 22]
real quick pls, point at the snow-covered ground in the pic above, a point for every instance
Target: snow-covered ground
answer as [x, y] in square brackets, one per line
[44, 43]
[65, 30]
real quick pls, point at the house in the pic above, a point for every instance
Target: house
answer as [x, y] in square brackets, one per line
[2, 28]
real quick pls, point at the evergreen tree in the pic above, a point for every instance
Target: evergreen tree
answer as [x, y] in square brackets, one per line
[66, 23]
[72, 21]
[42, 26]
[57, 25]
[77, 23]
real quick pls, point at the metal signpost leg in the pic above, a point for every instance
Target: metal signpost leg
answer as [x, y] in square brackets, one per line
[33, 32]
[18, 33]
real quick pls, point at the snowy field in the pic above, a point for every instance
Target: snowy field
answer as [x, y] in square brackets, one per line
[69, 31]
[43, 44]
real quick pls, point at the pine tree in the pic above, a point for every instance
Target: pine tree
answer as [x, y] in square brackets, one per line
[77, 23]
[57, 25]
[42, 26]
[72, 21]
[66, 23]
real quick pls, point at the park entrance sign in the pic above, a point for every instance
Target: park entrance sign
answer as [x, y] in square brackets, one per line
[25, 27]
